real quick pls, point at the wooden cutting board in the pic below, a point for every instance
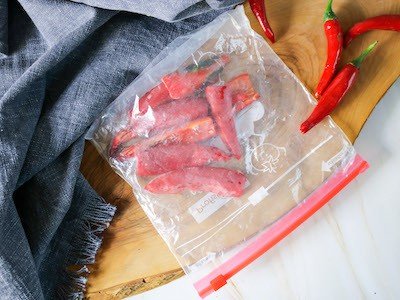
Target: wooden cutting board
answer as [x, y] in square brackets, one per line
[133, 257]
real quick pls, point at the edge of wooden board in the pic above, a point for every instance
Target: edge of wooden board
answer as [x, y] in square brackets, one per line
[135, 287]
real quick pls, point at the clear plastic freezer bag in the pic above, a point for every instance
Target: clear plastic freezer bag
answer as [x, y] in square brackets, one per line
[208, 137]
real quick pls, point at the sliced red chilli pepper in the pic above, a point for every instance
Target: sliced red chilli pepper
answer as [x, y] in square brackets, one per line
[334, 37]
[181, 85]
[170, 114]
[220, 181]
[164, 116]
[160, 94]
[335, 92]
[153, 98]
[258, 9]
[384, 22]
[195, 131]
[121, 137]
[220, 100]
[183, 112]
[242, 89]
[166, 158]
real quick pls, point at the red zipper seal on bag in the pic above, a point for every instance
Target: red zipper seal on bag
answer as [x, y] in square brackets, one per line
[280, 229]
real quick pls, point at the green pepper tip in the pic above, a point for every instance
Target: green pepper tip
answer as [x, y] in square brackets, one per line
[329, 14]
[357, 61]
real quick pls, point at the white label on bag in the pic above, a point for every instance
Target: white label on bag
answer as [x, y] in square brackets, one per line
[206, 206]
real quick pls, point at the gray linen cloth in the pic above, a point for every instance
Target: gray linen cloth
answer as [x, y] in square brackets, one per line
[61, 64]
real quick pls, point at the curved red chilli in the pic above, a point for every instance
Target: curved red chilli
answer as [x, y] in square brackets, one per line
[384, 22]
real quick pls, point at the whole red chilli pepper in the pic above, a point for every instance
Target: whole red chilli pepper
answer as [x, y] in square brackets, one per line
[258, 9]
[335, 92]
[384, 22]
[334, 37]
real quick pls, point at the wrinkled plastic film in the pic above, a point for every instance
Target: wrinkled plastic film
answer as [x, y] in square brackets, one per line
[282, 167]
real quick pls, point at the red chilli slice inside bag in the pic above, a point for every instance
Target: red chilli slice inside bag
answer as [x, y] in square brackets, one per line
[171, 114]
[181, 85]
[165, 116]
[166, 158]
[220, 100]
[153, 98]
[192, 132]
[220, 181]
[242, 89]
[178, 112]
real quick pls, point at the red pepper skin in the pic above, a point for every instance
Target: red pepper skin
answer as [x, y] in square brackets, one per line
[174, 113]
[153, 98]
[242, 89]
[335, 92]
[332, 96]
[258, 9]
[220, 100]
[384, 22]
[122, 136]
[220, 181]
[160, 93]
[165, 158]
[182, 85]
[164, 116]
[170, 114]
[334, 37]
[195, 131]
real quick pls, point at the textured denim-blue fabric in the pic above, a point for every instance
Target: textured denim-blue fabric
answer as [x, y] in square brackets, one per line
[61, 64]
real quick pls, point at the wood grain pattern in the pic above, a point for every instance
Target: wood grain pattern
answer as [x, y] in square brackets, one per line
[133, 257]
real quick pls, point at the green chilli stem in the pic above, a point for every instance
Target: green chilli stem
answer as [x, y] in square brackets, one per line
[329, 14]
[357, 61]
